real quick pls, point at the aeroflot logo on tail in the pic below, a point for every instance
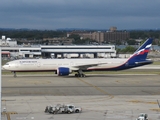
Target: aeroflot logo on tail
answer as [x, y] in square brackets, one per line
[143, 51]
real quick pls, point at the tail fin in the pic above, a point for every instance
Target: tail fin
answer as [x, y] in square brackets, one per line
[141, 53]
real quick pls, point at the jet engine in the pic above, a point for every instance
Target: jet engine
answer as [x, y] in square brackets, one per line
[62, 71]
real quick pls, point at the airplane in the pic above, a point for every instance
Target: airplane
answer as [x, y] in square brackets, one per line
[64, 67]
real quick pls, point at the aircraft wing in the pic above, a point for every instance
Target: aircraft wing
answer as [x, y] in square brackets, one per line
[84, 67]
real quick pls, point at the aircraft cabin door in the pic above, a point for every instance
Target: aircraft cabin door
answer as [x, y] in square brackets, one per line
[17, 65]
[38, 64]
[71, 63]
[100, 63]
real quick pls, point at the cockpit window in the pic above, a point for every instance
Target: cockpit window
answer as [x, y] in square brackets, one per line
[7, 64]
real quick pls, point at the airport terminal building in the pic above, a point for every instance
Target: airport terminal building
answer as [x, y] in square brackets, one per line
[79, 51]
[59, 51]
[9, 48]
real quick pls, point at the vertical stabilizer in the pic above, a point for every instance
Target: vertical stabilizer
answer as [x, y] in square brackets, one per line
[141, 53]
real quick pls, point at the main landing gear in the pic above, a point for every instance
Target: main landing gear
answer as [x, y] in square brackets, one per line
[14, 74]
[80, 74]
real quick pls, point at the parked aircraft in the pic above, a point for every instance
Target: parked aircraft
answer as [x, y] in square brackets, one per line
[64, 67]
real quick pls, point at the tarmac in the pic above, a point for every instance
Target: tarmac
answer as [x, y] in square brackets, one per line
[101, 97]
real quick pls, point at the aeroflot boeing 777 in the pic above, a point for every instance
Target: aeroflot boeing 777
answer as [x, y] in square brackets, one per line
[64, 67]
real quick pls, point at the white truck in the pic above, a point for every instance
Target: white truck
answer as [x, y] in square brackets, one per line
[142, 116]
[62, 109]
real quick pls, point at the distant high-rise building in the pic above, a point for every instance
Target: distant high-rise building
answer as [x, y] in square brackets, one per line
[111, 36]
[117, 36]
[113, 29]
[98, 36]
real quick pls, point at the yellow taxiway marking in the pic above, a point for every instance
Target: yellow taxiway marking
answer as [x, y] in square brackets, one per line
[3, 113]
[97, 88]
[138, 101]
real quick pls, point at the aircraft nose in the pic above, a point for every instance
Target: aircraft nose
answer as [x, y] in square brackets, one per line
[4, 67]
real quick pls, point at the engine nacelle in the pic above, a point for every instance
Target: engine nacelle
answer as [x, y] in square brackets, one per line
[62, 71]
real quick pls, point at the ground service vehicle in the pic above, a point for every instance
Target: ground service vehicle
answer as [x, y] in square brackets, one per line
[62, 109]
[142, 116]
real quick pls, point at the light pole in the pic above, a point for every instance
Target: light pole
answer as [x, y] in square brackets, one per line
[0, 82]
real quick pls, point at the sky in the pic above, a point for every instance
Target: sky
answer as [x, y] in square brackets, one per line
[86, 14]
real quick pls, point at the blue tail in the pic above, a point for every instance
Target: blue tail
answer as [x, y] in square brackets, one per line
[140, 55]
[139, 58]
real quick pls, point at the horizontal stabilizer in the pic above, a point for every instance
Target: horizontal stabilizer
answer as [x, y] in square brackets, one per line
[144, 62]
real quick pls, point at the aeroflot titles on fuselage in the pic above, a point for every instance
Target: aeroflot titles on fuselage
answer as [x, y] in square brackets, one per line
[22, 62]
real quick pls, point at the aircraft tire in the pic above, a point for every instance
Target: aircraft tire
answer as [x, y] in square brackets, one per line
[80, 75]
[83, 75]
[77, 111]
[76, 75]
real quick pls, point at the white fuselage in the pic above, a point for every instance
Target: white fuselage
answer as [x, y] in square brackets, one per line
[53, 64]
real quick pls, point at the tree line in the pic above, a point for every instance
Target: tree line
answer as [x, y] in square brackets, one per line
[40, 34]
[32, 34]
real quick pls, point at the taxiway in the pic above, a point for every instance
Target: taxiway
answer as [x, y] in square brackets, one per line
[116, 97]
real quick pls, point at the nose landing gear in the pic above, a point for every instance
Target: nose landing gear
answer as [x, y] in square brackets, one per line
[14, 74]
